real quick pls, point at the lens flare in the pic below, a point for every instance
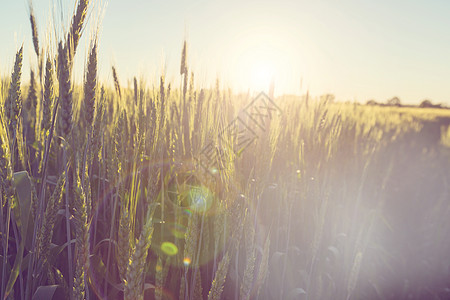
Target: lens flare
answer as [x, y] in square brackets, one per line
[158, 268]
[186, 261]
[169, 248]
[178, 231]
[200, 198]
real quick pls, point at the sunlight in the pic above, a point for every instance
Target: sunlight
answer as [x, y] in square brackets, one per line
[262, 73]
[263, 55]
[258, 64]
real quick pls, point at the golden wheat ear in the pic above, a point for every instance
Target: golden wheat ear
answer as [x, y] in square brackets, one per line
[116, 82]
[90, 86]
[77, 26]
[34, 30]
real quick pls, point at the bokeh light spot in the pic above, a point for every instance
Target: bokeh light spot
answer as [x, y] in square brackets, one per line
[200, 198]
[178, 231]
[169, 248]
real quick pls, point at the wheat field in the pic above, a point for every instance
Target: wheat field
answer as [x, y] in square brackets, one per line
[110, 192]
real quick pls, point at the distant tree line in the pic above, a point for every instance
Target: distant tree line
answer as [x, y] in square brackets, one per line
[395, 101]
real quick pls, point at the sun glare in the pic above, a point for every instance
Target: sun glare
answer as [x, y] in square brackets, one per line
[261, 56]
[262, 73]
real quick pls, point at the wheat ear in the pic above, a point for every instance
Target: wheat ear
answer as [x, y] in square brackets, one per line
[48, 97]
[81, 242]
[90, 86]
[13, 104]
[116, 81]
[51, 211]
[135, 272]
[34, 31]
[219, 279]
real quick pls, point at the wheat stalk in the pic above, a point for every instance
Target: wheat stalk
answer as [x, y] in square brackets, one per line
[6, 193]
[162, 99]
[159, 279]
[354, 273]
[264, 265]
[247, 282]
[5, 163]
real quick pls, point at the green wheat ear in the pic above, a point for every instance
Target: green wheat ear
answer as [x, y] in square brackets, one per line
[124, 243]
[48, 96]
[90, 86]
[135, 272]
[13, 104]
[65, 91]
[50, 214]
[162, 271]
[29, 114]
[250, 255]
[81, 241]
[6, 189]
[219, 279]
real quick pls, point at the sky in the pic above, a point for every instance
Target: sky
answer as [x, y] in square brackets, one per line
[355, 49]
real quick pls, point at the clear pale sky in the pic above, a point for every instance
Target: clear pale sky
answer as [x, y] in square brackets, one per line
[355, 49]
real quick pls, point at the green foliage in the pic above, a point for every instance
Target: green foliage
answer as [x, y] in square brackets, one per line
[22, 215]
[45, 292]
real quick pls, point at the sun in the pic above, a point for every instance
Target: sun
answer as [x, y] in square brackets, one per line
[264, 58]
[258, 66]
[262, 74]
